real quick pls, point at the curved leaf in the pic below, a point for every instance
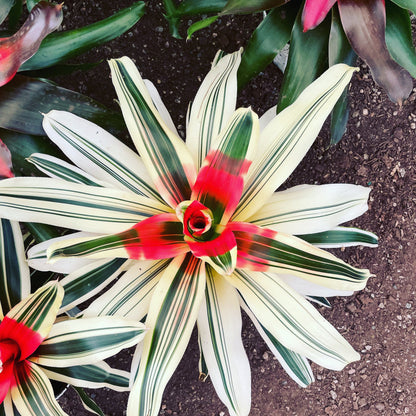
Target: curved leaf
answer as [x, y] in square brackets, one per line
[270, 36]
[406, 4]
[65, 45]
[250, 6]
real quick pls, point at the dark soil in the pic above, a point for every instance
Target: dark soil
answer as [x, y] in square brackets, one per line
[378, 150]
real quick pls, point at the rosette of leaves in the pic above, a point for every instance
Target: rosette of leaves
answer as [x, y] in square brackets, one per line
[198, 230]
[36, 347]
[321, 33]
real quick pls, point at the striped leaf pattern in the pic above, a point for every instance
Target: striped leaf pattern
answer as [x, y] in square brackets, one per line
[288, 137]
[33, 394]
[295, 365]
[164, 154]
[213, 106]
[261, 249]
[227, 164]
[86, 282]
[14, 273]
[341, 237]
[90, 376]
[130, 296]
[219, 329]
[307, 209]
[98, 153]
[292, 320]
[157, 237]
[59, 169]
[86, 341]
[30, 321]
[75, 206]
[172, 315]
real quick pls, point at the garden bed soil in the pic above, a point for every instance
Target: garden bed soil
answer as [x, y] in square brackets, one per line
[378, 150]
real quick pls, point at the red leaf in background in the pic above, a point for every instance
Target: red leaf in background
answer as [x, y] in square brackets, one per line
[314, 12]
[5, 162]
[364, 23]
[42, 20]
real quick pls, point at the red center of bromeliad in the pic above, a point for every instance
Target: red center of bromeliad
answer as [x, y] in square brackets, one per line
[196, 218]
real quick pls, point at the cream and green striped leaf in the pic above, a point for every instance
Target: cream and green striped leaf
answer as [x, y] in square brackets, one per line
[14, 273]
[89, 280]
[90, 376]
[287, 138]
[88, 403]
[172, 316]
[219, 329]
[33, 394]
[341, 237]
[76, 206]
[59, 169]
[85, 341]
[292, 320]
[164, 154]
[130, 296]
[307, 209]
[213, 106]
[295, 365]
[261, 249]
[98, 153]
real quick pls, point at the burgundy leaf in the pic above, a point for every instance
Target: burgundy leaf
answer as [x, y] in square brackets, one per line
[42, 20]
[364, 24]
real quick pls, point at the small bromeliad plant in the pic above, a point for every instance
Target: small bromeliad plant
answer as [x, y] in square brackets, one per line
[35, 347]
[199, 228]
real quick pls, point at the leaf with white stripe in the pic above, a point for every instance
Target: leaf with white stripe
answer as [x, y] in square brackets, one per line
[87, 340]
[59, 169]
[89, 280]
[38, 259]
[288, 137]
[97, 152]
[292, 320]
[130, 296]
[76, 206]
[164, 154]
[33, 393]
[92, 376]
[295, 365]
[14, 273]
[172, 315]
[213, 106]
[341, 237]
[307, 209]
[219, 329]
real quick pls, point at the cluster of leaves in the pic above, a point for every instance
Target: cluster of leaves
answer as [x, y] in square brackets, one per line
[320, 35]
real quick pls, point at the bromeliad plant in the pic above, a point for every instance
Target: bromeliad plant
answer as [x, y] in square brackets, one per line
[378, 31]
[200, 229]
[34, 347]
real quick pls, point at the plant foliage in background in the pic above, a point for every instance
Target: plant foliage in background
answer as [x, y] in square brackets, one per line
[321, 34]
[35, 347]
[194, 252]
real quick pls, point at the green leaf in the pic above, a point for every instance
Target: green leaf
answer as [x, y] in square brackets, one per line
[193, 7]
[23, 100]
[201, 24]
[307, 50]
[88, 403]
[399, 37]
[341, 237]
[42, 232]
[266, 41]
[22, 146]
[5, 7]
[61, 70]
[65, 45]
[250, 6]
[14, 272]
[406, 4]
[339, 51]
